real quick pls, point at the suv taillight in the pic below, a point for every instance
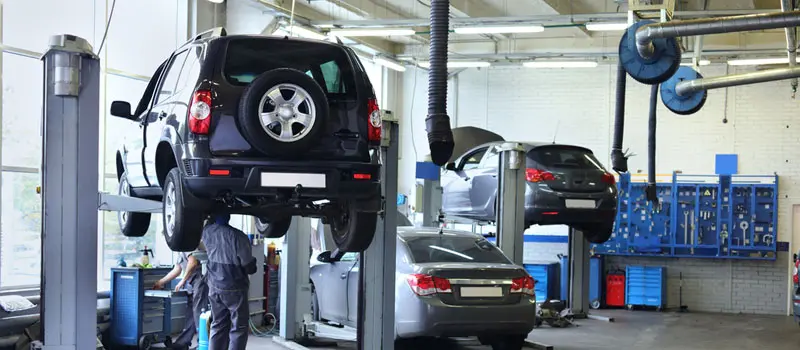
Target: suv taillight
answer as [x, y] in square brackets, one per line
[375, 121]
[795, 277]
[200, 112]
[424, 285]
[523, 285]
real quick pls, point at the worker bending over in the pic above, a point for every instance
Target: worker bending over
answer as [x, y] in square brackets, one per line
[230, 261]
[194, 283]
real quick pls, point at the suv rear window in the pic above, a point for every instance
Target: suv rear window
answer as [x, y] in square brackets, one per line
[564, 157]
[454, 249]
[329, 65]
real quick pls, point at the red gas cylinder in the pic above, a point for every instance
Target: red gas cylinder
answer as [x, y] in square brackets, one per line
[615, 290]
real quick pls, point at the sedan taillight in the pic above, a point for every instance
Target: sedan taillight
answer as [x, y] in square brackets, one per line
[425, 285]
[523, 285]
[536, 175]
[609, 179]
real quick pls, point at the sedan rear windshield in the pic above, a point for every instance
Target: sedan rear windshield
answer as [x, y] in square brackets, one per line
[328, 64]
[454, 249]
[565, 157]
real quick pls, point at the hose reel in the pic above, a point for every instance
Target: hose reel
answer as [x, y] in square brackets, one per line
[688, 103]
[661, 66]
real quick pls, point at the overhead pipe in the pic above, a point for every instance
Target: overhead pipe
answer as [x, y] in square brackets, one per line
[647, 33]
[688, 87]
[440, 136]
[619, 162]
[791, 43]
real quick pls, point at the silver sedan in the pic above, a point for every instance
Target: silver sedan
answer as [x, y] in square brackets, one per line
[448, 284]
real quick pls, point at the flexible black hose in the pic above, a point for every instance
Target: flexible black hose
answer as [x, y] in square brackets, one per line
[440, 136]
[618, 160]
[651, 146]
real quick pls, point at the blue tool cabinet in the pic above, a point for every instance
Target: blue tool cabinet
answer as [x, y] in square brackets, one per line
[137, 318]
[596, 282]
[564, 277]
[646, 286]
[703, 216]
[546, 277]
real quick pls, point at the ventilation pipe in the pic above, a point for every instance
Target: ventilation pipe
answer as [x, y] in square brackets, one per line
[688, 87]
[651, 193]
[647, 33]
[440, 136]
[619, 162]
[791, 42]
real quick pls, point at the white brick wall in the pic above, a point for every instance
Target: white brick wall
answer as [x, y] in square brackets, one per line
[529, 105]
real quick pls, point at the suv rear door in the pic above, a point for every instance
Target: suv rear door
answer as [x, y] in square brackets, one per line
[575, 169]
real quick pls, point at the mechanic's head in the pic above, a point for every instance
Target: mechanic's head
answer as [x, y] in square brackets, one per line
[221, 219]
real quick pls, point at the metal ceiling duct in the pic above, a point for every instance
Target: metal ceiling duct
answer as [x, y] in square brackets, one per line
[690, 86]
[440, 136]
[791, 42]
[646, 34]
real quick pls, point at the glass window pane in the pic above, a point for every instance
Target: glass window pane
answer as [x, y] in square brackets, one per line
[454, 249]
[118, 129]
[171, 79]
[22, 111]
[28, 24]
[565, 157]
[21, 230]
[115, 245]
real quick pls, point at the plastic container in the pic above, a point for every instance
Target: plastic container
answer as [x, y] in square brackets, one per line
[203, 329]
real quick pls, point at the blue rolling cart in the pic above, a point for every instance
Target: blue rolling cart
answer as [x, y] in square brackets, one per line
[645, 286]
[546, 277]
[140, 316]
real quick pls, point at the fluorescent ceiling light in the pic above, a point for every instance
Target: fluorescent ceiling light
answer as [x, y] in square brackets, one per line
[460, 64]
[757, 61]
[372, 32]
[305, 32]
[606, 26]
[216, 1]
[699, 63]
[389, 64]
[499, 29]
[560, 64]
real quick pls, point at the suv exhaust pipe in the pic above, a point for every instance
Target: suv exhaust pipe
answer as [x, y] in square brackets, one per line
[437, 124]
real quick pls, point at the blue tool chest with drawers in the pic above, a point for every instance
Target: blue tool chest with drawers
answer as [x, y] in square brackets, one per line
[646, 286]
[546, 277]
[139, 316]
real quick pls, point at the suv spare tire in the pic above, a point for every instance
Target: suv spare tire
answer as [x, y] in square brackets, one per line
[282, 112]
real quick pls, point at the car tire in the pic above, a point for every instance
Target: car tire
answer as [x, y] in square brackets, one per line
[353, 230]
[275, 229]
[183, 227]
[131, 224]
[509, 342]
[598, 234]
[267, 137]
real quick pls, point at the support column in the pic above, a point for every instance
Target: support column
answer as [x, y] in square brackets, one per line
[69, 229]
[295, 288]
[511, 201]
[378, 261]
[579, 273]
[431, 201]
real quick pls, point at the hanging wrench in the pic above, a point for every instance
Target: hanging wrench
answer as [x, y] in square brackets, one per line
[685, 227]
[692, 251]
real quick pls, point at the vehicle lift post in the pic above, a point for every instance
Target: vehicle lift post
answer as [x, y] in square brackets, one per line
[511, 201]
[579, 258]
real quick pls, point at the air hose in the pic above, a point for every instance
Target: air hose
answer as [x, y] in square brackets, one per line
[651, 146]
[619, 162]
[440, 136]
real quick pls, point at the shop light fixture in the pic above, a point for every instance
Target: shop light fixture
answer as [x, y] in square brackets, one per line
[391, 64]
[758, 61]
[460, 64]
[606, 26]
[560, 64]
[216, 1]
[499, 29]
[305, 32]
[373, 32]
[699, 63]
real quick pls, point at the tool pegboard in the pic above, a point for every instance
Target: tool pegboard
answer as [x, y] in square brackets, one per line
[704, 216]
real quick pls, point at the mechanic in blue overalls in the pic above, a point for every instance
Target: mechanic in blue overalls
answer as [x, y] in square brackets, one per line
[230, 262]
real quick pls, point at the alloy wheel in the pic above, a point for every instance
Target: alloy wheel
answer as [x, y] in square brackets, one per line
[169, 208]
[287, 119]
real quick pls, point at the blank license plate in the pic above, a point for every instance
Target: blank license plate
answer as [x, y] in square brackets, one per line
[481, 292]
[580, 203]
[292, 180]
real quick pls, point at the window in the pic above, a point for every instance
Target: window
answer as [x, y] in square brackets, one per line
[115, 244]
[472, 160]
[22, 111]
[170, 81]
[564, 157]
[21, 230]
[189, 74]
[119, 130]
[491, 159]
[449, 248]
[333, 77]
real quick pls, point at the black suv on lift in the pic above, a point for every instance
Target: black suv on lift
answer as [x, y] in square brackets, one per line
[265, 126]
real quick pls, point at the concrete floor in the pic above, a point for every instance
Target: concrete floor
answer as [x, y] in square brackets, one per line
[644, 330]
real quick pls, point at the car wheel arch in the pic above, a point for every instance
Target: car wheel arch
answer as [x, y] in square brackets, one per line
[120, 165]
[165, 161]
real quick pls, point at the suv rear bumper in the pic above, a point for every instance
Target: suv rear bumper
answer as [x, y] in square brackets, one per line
[244, 180]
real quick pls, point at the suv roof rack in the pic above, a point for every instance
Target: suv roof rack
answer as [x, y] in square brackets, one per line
[211, 33]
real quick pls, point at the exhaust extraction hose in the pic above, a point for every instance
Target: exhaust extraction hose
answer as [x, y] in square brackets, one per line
[651, 146]
[437, 124]
[619, 162]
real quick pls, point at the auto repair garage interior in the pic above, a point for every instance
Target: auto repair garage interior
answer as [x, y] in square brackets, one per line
[656, 208]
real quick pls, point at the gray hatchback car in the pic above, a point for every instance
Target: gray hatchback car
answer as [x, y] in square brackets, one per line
[448, 284]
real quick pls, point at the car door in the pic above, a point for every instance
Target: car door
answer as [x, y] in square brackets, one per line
[332, 294]
[456, 192]
[133, 150]
[352, 293]
[164, 103]
[484, 184]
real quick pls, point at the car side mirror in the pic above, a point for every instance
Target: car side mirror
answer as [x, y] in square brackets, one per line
[325, 257]
[450, 166]
[121, 109]
[794, 258]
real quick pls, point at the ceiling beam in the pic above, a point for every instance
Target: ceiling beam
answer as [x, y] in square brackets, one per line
[306, 16]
